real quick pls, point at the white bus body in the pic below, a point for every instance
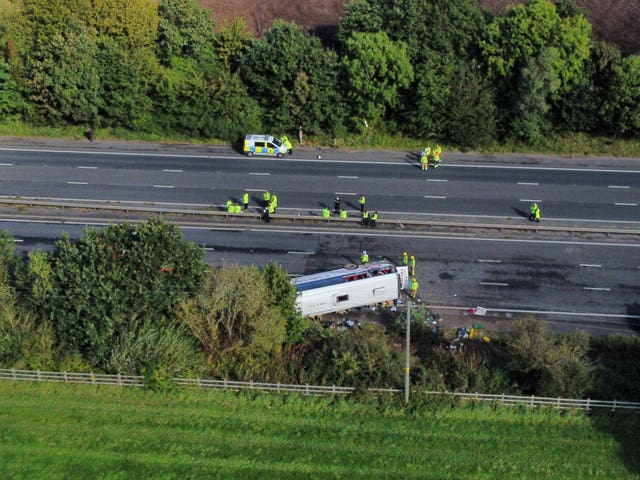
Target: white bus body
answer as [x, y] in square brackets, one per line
[347, 288]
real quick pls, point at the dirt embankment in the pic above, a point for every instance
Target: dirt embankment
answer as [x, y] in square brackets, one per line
[613, 20]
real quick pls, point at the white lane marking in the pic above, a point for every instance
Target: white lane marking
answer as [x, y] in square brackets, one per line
[529, 200]
[87, 167]
[619, 186]
[164, 186]
[495, 284]
[436, 180]
[347, 176]
[302, 160]
[434, 196]
[209, 249]
[346, 193]
[259, 173]
[489, 261]
[528, 183]
[18, 240]
[293, 252]
[441, 237]
[6, 164]
[626, 204]
[590, 265]
[597, 289]
[544, 312]
[171, 170]
[78, 183]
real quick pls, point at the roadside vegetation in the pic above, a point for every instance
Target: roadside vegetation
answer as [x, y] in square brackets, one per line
[447, 71]
[138, 299]
[121, 432]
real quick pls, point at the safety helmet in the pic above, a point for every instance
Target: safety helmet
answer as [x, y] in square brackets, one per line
[412, 256]
[364, 252]
[404, 253]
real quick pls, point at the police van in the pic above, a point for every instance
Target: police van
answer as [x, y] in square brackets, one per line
[264, 145]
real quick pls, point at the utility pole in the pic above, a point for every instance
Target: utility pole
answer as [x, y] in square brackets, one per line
[406, 366]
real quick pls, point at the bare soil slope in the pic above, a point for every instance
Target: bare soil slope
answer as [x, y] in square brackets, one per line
[613, 20]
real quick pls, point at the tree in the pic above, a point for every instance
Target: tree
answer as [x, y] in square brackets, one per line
[531, 40]
[132, 21]
[294, 79]
[470, 111]
[549, 364]
[232, 42]
[11, 102]
[376, 70]
[283, 296]
[526, 31]
[622, 107]
[62, 77]
[111, 281]
[186, 30]
[538, 82]
[125, 75]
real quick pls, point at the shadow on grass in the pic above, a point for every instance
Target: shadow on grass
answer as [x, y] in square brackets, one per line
[624, 427]
[633, 318]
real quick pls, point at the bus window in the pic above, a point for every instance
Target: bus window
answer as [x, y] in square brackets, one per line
[342, 298]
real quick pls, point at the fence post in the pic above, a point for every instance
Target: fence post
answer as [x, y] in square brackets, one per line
[307, 389]
[119, 379]
[532, 402]
[588, 404]
[66, 377]
[558, 403]
[503, 398]
[93, 378]
[13, 373]
[614, 406]
[38, 375]
[278, 387]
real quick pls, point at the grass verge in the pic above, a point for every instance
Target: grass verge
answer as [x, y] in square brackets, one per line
[75, 431]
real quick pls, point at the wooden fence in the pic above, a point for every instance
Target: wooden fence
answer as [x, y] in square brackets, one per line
[138, 381]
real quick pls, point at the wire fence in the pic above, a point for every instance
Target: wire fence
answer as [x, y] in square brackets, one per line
[138, 381]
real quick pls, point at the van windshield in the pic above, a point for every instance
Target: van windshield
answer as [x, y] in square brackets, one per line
[278, 142]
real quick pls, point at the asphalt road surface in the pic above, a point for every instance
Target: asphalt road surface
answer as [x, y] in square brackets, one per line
[593, 282]
[392, 185]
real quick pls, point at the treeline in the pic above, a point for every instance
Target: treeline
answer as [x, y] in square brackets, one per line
[442, 69]
[138, 299]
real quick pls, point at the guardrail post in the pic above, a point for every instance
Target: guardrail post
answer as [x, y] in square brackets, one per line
[588, 407]
[92, 377]
[532, 402]
[38, 375]
[333, 389]
[66, 378]
[558, 403]
[307, 389]
[278, 387]
[224, 383]
[503, 399]
[613, 408]
[119, 379]
[13, 373]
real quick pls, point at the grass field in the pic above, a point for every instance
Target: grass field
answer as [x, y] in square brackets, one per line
[57, 431]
